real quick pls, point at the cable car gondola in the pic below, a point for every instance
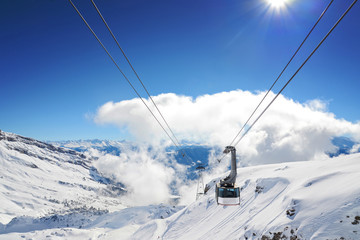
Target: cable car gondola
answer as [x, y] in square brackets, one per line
[226, 192]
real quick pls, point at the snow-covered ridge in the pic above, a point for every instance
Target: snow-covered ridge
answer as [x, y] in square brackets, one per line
[41, 150]
[55, 154]
[107, 146]
[38, 178]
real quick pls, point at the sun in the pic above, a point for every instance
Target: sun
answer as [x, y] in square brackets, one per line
[276, 3]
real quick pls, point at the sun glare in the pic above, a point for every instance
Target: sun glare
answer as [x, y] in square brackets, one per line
[276, 3]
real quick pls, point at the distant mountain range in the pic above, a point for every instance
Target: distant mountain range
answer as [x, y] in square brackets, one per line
[196, 155]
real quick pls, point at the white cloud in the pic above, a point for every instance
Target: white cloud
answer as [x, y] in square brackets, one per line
[145, 172]
[208, 118]
[317, 105]
[288, 131]
[355, 148]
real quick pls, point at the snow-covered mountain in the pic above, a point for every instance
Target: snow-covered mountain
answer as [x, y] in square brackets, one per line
[50, 192]
[106, 146]
[37, 178]
[44, 188]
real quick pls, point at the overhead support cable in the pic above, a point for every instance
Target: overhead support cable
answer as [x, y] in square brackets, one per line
[123, 74]
[297, 71]
[297, 50]
[283, 70]
[128, 61]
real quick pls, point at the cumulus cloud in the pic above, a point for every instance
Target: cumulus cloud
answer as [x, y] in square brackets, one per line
[288, 131]
[208, 118]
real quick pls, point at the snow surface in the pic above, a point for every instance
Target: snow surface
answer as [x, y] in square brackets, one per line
[47, 192]
[309, 200]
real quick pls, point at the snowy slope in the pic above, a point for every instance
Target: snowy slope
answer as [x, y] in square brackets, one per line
[85, 223]
[38, 178]
[302, 200]
[52, 192]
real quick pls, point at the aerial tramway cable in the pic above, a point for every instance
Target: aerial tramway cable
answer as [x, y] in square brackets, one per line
[297, 50]
[297, 71]
[128, 61]
[132, 86]
[283, 70]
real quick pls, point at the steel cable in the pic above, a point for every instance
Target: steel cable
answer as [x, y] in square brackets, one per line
[297, 50]
[128, 61]
[132, 86]
[311, 54]
[295, 53]
[137, 76]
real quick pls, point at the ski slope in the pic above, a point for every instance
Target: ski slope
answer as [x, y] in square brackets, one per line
[301, 200]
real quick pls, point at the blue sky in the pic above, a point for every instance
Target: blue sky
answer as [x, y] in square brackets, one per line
[54, 74]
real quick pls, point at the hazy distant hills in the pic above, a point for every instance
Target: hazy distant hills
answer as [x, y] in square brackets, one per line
[197, 154]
